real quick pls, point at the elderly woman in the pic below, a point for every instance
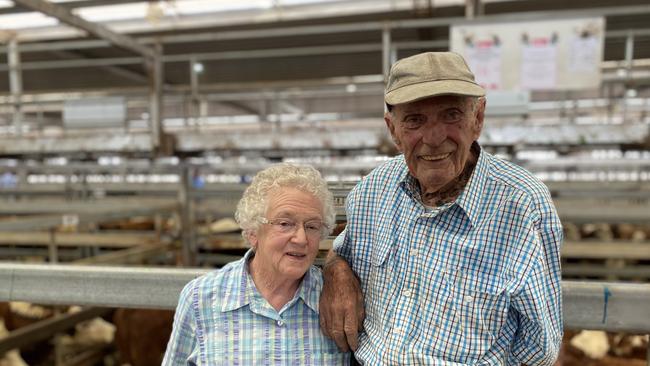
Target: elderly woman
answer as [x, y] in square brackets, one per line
[263, 308]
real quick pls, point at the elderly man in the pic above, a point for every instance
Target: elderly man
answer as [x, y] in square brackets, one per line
[456, 251]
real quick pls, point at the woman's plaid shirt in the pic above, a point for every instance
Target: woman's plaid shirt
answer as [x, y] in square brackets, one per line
[222, 319]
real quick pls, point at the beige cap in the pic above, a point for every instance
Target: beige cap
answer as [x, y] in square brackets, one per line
[430, 74]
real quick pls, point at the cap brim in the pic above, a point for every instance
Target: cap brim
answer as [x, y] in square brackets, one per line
[414, 92]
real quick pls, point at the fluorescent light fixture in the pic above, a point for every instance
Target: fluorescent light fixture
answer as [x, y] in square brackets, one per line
[198, 67]
[26, 20]
[191, 7]
[151, 10]
[113, 13]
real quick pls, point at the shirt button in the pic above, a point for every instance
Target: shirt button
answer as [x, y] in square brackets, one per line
[280, 323]
[468, 298]
[407, 293]
[413, 252]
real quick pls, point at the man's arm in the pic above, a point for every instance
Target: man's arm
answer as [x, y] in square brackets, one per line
[341, 303]
[539, 304]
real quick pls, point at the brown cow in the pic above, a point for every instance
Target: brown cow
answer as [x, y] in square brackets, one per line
[141, 335]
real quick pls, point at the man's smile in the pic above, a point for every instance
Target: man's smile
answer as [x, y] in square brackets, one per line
[435, 157]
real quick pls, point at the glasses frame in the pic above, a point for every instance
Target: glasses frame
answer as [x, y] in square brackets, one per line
[274, 223]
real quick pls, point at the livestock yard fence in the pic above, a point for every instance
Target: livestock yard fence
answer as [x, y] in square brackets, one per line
[610, 306]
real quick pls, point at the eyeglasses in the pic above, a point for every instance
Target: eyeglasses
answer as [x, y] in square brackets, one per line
[313, 228]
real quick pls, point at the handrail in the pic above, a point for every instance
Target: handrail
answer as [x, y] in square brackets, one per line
[587, 305]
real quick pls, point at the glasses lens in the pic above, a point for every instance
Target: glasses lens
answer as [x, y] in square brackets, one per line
[286, 226]
[283, 225]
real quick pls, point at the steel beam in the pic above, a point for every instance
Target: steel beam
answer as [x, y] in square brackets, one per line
[64, 64]
[126, 142]
[15, 83]
[611, 306]
[225, 55]
[136, 255]
[618, 249]
[85, 285]
[62, 239]
[187, 213]
[39, 222]
[115, 70]
[373, 26]
[63, 206]
[64, 254]
[582, 211]
[155, 72]
[64, 15]
[638, 272]
[584, 302]
[386, 47]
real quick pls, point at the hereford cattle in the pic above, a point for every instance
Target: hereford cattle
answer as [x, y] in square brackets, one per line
[141, 335]
[596, 348]
[19, 314]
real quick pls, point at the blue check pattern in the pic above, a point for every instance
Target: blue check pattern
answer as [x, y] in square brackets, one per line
[222, 319]
[474, 282]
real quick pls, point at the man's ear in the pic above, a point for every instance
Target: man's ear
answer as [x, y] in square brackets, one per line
[479, 116]
[390, 124]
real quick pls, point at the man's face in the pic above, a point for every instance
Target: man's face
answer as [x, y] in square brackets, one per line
[435, 135]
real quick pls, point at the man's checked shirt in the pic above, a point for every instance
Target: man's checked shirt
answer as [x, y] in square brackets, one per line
[222, 319]
[474, 282]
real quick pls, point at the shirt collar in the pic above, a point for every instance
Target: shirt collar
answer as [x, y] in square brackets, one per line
[408, 182]
[469, 198]
[240, 286]
[242, 290]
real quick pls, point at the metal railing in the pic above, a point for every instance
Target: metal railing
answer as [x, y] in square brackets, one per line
[587, 305]
[610, 306]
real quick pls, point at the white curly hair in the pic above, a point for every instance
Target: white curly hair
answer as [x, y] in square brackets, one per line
[254, 201]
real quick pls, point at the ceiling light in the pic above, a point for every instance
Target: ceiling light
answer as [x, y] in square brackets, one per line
[198, 67]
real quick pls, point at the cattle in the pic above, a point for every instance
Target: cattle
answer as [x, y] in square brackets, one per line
[10, 358]
[597, 348]
[141, 335]
[19, 314]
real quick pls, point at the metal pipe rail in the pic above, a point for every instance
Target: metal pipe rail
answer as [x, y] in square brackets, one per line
[587, 305]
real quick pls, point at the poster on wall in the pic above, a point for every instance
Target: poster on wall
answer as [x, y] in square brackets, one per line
[534, 55]
[484, 58]
[584, 55]
[538, 63]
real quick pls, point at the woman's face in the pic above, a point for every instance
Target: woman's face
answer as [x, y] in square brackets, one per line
[288, 244]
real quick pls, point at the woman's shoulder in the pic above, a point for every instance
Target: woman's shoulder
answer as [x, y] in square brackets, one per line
[217, 282]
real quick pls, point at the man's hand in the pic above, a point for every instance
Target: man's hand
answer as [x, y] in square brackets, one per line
[341, 304]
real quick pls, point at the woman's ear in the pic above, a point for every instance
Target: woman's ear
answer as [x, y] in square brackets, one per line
[251, 237]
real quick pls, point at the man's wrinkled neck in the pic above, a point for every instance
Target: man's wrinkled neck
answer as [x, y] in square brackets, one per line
[448, 193]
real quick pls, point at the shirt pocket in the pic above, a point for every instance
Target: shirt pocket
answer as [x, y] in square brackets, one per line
[480, 307]
[376, 274]
[374, 248]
